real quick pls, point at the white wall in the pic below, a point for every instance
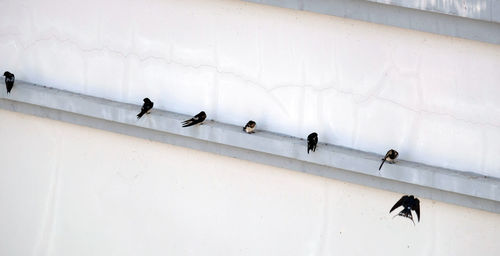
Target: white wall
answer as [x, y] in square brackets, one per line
[71, 190]
[360, 85]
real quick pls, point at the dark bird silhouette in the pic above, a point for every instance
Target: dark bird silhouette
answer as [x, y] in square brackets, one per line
[390, 157]
[312, 142]
[9, 80]
[409, 203]
[250, 127]
[199, 118]
[146, 107]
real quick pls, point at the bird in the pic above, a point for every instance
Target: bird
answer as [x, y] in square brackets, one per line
[9, 80]
[199, 118]
[250, 127]
[409, 203]
[312, 142]
[390, 157]
[146, 107]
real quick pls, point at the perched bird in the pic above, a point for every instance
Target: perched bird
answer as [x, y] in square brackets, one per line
[409, 203]
[200, 117]
[146, 107]
[312, 142]
[390, 157]
[9, 80]
[250, 127]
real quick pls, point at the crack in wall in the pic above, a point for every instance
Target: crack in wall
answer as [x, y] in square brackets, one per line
[366, 96]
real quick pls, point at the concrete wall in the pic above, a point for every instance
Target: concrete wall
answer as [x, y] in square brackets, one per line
[360, 85]
[72, 190]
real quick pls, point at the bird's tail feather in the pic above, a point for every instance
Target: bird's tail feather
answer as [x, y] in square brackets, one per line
[140, 114]
[405, 217]
[187, 124]
[383, 161]
[407, 214]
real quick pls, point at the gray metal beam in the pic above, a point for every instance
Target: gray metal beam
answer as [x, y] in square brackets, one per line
[485, 10]
[433, 17]
[467, 189]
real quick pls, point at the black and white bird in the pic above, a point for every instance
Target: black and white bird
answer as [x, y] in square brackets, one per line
[146, 107]
[250, 127]
[409, 203]
[9, 80]
[199, 118]
[390, 157]
[312, 142]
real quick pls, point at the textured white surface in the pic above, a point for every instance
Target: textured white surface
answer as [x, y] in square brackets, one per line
[88, 192]
[358, 85]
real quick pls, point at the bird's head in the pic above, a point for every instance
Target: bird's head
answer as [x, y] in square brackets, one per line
[312, 136]
[393, 153]
[146, 100]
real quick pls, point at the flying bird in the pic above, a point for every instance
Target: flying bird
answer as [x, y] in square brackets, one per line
[146, 107]
[312, 142]
[409, 203]
[250, 127]
[199, 118]
[390, 157]
[9, 80]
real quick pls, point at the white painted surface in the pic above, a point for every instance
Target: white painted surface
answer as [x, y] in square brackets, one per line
[358, 85]
[71, 190]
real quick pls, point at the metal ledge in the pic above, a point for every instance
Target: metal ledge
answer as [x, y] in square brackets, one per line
[467, 189]
[485, 10]
[482, 25]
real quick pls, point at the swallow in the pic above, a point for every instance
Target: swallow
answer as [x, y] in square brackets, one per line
[390, 157]
[9, 80]
[250, 127]
[409, 203]
[146, 107]
[199, 118]
[312, 142]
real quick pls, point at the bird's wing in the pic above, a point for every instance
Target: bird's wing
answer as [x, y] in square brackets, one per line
[195, 120]
[416, 208]
[398, 203]
[387, 154]
[143, 111]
